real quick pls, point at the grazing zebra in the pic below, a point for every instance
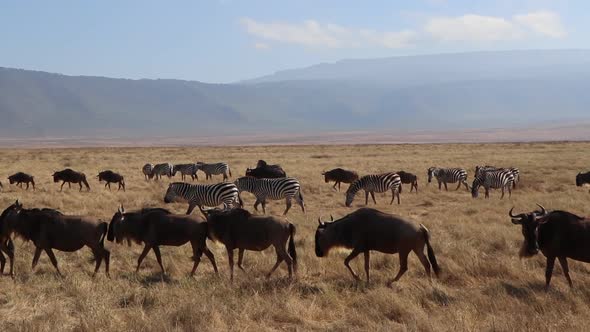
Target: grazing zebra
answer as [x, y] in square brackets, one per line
[273, 189]
[147, 171]
[448, 175]
[215, 169]
[186, 169]
[375, 183]
[162, 169]
[498, 179]
[515, 172]
[200, 195]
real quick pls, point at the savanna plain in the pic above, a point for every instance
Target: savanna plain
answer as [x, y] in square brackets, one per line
[484, 286]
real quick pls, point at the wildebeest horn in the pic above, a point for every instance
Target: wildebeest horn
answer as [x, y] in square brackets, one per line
[543, 211]
[320, 221]
[331, 218]
[121, 209]
[510, 213]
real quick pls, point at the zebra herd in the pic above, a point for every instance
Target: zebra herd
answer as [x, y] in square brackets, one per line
[167, 169]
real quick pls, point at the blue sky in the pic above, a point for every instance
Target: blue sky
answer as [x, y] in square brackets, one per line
[231, 40]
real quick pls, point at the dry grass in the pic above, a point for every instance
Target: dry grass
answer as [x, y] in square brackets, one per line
[484, 287]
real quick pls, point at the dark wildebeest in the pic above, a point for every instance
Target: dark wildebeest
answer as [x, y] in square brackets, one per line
[264, 170]
[155, 227]
[238, 229]
[50, 229]
[582, 178]
[558, 234]
[339, 175]
[70, 176]
[369, 229]
[111, 177]
[20, 178]
[408, 178]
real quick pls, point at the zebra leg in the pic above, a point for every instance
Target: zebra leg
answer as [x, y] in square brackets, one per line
[264, 206]
[366, 197]
[487, 192]
[191, 207]
[373, 197]
[256, 205]
[392, 196]
[459, 185]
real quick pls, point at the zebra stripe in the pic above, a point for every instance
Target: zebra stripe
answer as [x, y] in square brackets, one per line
[162, 169]
[448, 175]
[215, 169]
[273, 189]
[375, 183]
[499, 179]
[147, 171]
[200, 195]
[186, 169]
[515, 172]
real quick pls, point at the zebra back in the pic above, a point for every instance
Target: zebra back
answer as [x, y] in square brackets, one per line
[186, 169]
[448, 175]
[493, 179]
[210, 195]
[213, 169]
[163, 169]
[375, 182]
[269, 188]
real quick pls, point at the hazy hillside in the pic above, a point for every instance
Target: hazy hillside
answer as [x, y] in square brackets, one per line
[475, 90]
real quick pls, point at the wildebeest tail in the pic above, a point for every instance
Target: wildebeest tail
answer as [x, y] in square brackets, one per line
[292, 251]
[431, 256]
[85, 182]
[10, 245]
[110, 233]
[105, 229]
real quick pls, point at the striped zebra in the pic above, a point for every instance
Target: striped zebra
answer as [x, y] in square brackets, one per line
[147, 171]
[375, 183]
[186, 169]
[274, 189]
[215, 169]
[162, 169]
[448, 175]
[498, 179]
[200, 195]
[515, 172]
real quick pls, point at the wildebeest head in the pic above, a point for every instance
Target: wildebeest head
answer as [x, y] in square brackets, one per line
[11, 179]
[56, 177]
[529, 223]
[582, 178]
[323, 241]
[115, 225]
[8, 213]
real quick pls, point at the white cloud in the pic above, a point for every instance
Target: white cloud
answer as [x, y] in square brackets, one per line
[472, 28]
[261, 46]
[311, 33]
[545, 23]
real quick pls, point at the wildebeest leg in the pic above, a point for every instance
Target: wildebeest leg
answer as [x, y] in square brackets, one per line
[53, 260]
[566, 270]
[80, 183]
[69, 185]
[420, 253]
[62, 186]
[156, 250]
[36, 257]
[439, 185]
[209, 255]
[355, 252]
[403, 266]
[367, 263]
[2, 262]
[8, 247]
[107, 261]
[549, 271]
[334, 187]
[27, 186]
[98, 256]
[144, 253]
[282, 255]
[230, 259]
[288, 199]
[373, 197]
[197, 253]
[240, 259]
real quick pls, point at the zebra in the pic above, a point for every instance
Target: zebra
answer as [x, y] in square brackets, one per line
[215, 169]
[200, 195]
[162, 169]
[502, 178]
[273, 189]
[147, 171]
[186, 169]
[515, 172]
[375, 183]
[448, 175]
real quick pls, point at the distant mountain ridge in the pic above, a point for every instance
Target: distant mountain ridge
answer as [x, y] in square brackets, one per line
[512, 89]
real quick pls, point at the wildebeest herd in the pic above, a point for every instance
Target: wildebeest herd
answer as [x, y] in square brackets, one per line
[557, 234]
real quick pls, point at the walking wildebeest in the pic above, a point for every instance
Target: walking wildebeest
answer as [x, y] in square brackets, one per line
[7, 246]
[369, 229]
[20, 178]
[111, 177]
[582, 178]
[408, 178]
[70, 176]
[155, 227]
[50, 229]
[264, 170]
[558, 234]
[238, 229]
[339, 175]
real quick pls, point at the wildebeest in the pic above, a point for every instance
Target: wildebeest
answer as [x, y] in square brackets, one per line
[369, 229]
[582, 178]
[155, 227]
[20, 178]
[109, 177]
[238, 229]
[50, 229]
[339, 175]
[70, 176]
[264, 170]
[6, 246]
[558, 234]
[408, 178]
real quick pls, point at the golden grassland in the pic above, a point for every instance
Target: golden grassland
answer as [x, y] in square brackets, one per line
[484, 286]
